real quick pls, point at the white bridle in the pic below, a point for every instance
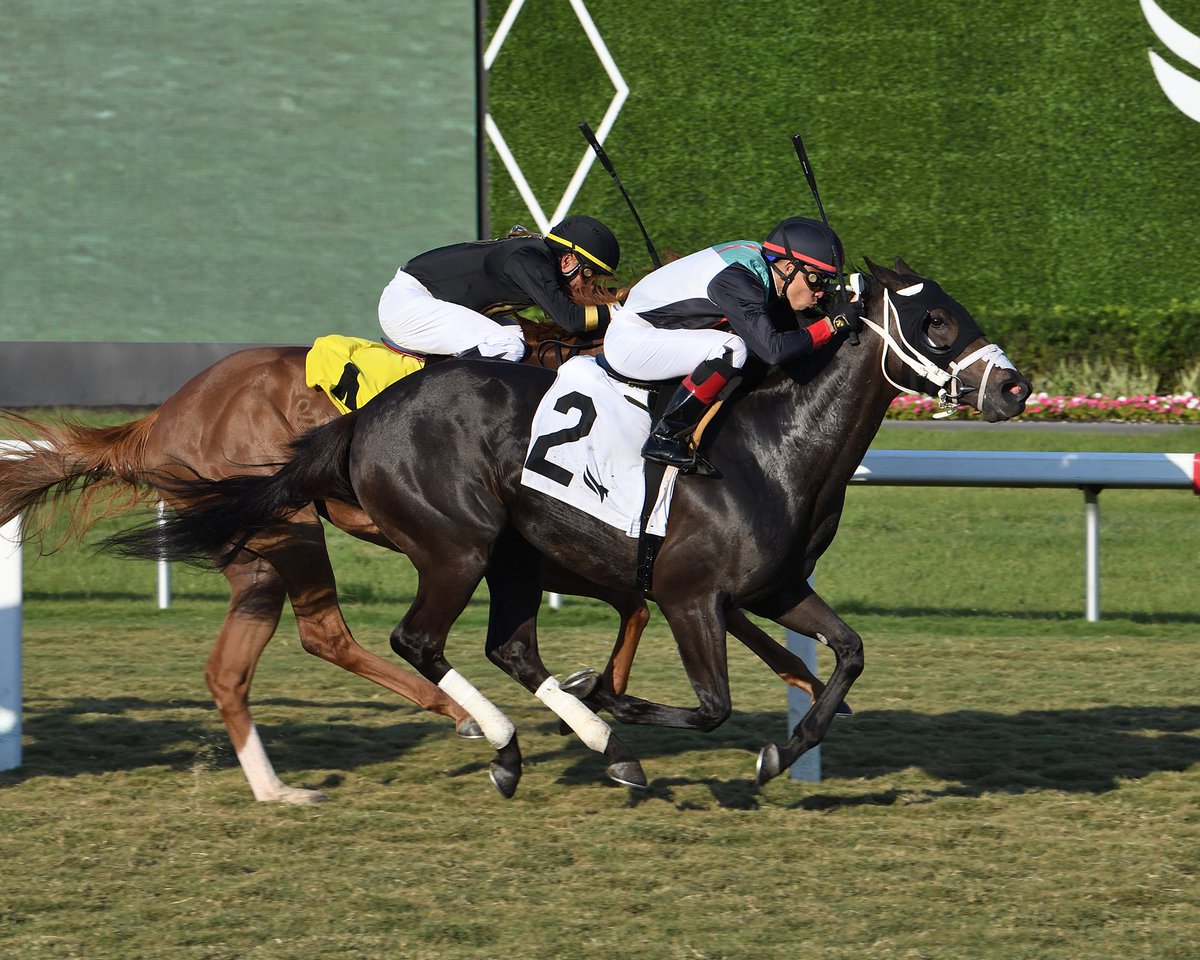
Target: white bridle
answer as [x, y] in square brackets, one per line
[990, 353]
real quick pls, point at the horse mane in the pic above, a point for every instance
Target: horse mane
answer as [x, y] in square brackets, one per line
[103, 466]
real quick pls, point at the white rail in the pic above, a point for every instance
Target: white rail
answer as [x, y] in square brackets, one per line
[1089, 472]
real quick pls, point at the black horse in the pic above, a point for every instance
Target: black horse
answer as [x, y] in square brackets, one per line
[436, 463]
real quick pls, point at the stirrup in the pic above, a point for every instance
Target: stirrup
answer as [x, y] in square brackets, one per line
[680, 454]
[701, 468]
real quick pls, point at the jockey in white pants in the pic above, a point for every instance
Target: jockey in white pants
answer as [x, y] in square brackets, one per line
[700, 316]
[442, 302]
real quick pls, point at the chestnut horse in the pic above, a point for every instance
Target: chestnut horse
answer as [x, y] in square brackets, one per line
[787, 445]
[237, 417]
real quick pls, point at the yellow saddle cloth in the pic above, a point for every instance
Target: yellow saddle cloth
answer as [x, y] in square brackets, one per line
[352, 370]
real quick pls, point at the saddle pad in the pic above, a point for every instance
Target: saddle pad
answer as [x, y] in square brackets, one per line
[351, 370]
[585, 449]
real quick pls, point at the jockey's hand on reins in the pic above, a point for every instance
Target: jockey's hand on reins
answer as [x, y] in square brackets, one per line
[845, 315]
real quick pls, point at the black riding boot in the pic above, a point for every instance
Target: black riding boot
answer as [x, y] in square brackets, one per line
[670, 441]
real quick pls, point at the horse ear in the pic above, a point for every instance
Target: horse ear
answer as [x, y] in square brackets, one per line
[904, 269]
[888, 278]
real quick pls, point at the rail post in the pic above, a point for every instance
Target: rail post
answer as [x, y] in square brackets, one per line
[1091, 513]
[808, 767]
[11, 595]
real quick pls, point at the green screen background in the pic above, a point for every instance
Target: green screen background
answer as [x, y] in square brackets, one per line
[226, 170]
[229, 171]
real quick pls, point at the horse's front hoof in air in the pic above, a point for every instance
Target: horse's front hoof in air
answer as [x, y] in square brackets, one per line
[769, 765]
[628, 773]
[468, 729]
[581, 683]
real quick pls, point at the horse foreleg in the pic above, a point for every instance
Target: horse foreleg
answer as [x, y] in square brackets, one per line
[698, 625]
[789, 667]
[813, 617]
[256, 601]
[515, 589]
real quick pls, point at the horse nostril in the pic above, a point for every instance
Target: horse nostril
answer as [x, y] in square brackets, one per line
[1018, 389]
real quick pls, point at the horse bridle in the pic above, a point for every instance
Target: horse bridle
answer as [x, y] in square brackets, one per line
[923, 357]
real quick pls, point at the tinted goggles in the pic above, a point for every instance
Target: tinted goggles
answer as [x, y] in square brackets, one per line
[814, 280]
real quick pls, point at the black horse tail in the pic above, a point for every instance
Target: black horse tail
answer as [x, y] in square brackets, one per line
[214, 519]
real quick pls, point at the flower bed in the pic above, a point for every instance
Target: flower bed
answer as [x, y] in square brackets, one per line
[1184, 408]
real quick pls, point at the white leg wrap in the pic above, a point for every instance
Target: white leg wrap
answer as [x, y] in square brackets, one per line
[264, 784]
[593, 731]
[495, 725]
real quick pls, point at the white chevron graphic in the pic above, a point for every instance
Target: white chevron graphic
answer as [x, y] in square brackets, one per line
[1183, 91]
[620, 92]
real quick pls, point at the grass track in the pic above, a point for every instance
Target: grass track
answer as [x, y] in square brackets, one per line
[1016, 782]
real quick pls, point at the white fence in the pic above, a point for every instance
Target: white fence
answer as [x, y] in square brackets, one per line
[1089, 472]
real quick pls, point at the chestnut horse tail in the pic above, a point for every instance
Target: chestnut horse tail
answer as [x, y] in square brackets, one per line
[106, 466]
[222, 515]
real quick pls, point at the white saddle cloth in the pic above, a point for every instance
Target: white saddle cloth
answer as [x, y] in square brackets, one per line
[585, 448]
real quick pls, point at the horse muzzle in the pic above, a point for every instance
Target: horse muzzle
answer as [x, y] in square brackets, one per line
[1001, 389]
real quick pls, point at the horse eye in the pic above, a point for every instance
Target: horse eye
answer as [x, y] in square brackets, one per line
[935, 321]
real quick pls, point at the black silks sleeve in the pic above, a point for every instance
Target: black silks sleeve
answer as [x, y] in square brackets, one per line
[740, 296]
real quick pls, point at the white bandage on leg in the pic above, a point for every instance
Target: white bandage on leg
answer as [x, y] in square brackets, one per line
[495, 725]
[258, 770]
[593, 731]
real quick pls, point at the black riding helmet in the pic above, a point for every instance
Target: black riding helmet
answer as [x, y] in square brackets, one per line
[812, 245]
[591, 241]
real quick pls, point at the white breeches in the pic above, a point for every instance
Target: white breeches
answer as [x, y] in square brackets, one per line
[413, 318]
[640, 351]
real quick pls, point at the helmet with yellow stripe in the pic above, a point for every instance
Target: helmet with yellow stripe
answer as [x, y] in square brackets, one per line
[592, 242]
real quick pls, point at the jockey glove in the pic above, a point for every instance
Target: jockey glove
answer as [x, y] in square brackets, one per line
[845, 315]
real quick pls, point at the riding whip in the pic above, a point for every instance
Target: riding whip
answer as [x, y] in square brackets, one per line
[607, 164]
[802, 154]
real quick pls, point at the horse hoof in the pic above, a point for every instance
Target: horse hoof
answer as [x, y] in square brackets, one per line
[468, 729]
[843, 710]
[769, 764]
[581, 683]
[297, 797]
[504, 780]
[628, 773]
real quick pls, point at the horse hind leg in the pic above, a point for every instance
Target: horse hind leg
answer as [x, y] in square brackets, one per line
[515, 588]
[444, 588]
[631, 608]
[300, 556]
[256, 602]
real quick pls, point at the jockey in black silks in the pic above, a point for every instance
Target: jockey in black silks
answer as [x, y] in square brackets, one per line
[441, 302]
[700, 316]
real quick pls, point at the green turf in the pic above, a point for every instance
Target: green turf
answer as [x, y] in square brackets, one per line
[1016, 782]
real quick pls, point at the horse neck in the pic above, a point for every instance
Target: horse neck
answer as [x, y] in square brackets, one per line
[830, 414]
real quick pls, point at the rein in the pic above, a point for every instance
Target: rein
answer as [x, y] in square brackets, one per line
[926, 368]
[562, 351]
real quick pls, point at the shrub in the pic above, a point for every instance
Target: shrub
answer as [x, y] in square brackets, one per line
[1155, 344]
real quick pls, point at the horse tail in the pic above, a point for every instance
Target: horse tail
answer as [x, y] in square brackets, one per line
[214, 519]
[106, 466]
